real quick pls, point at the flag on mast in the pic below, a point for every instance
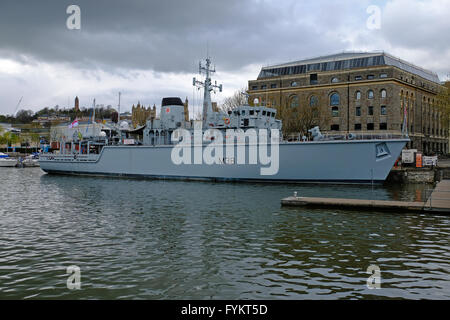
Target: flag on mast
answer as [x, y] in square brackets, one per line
[74, 124]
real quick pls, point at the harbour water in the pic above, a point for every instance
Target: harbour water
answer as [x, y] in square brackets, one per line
[144, 239]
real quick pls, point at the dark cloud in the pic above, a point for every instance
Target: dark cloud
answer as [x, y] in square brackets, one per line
[159, 35]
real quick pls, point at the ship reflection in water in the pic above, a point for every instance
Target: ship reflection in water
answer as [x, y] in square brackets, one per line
[199, 240]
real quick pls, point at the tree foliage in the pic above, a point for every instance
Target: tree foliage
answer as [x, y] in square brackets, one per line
[236, 100]
[9, 139]
[298, 119]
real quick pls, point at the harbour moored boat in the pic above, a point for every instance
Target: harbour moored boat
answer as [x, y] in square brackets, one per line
[31, 161]
[7, 161]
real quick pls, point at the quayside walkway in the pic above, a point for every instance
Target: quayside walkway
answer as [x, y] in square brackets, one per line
[438, 202]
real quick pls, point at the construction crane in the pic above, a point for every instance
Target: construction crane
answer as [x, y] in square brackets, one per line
[17, 107]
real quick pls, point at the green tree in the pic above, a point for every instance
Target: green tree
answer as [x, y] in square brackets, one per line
[35, 139]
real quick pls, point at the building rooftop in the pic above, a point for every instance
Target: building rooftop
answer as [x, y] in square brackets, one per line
[342, 61]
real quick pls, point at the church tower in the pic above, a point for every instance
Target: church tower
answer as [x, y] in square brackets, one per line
[77, 104]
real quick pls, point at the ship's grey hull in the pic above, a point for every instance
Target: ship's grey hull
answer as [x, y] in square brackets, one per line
[328, 161]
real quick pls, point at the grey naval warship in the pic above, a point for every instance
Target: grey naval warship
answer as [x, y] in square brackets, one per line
[170, 147]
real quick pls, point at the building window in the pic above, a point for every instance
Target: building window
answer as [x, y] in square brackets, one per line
[293, 102]
[313, 78]
[334, 80]
[334, 127]
[358, 95]
[383, 126]
[294, 84]
[358, 111]
[273, 85]
[357, 78]
[358, 126]
[334, 99]
[254, 87]
[383, 110]
[370, 94]
[335, 112]
[264, 86]
[383, 75]
[370, 111]
[370, 77]
[370, 126]
[313, 101]
[383, 94]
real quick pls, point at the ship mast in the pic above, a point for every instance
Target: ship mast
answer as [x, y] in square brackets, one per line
[208, 87]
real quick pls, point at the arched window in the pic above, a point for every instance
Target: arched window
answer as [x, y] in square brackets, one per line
[313, 101]
[370, 94]
[334, 80]
[358, 95]
[383, 93]
[334, 99]
[293, 101]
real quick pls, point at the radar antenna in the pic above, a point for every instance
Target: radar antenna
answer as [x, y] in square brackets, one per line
[208, 87]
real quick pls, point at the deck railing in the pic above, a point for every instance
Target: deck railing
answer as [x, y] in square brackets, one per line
[352, 135]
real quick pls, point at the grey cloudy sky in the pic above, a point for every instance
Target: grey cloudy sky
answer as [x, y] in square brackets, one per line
[151, 49]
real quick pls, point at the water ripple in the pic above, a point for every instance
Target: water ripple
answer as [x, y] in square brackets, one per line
[137, 239]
